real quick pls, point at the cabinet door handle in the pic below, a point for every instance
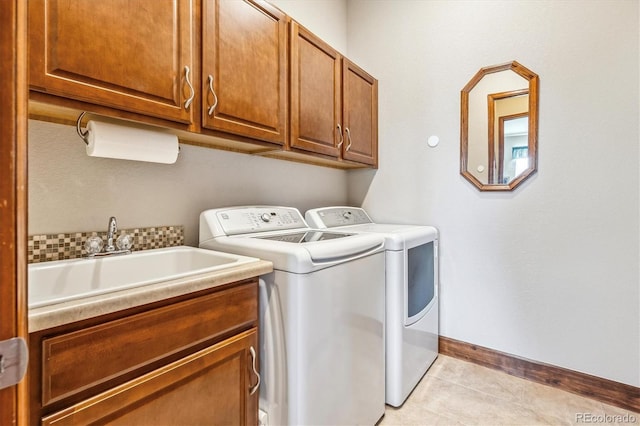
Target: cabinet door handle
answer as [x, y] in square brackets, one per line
[346, 129]
[187, 79]
[215, 97]
[254, 388]
[341, 137]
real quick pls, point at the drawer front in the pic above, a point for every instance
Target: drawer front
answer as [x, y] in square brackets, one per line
[209, 387]
[82, 359]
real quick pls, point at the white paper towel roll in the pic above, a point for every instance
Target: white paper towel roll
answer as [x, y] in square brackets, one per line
[130, 143]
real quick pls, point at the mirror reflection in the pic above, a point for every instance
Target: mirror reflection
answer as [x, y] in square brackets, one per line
[508, 127]
[513, 157]
[499, 127]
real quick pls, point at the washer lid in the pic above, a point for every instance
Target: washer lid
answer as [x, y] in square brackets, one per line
[299, 256]
[304, 236]
[280, 235]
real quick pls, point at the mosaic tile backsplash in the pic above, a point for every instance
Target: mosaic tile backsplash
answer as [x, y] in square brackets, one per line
[48, 247]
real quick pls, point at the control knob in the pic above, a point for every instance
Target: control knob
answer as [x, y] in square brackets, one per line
[266, 217]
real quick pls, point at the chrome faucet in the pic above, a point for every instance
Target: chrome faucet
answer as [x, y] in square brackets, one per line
[115, 245]
[111, 232]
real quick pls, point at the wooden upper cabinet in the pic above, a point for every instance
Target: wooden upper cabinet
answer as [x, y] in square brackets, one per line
[334, 103]
[240, 69]
[244, 69]
[126, 54]
[316, 103]
[360, 115]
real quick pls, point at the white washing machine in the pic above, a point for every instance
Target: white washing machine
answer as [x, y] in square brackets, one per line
[411, 253]
[321, 315]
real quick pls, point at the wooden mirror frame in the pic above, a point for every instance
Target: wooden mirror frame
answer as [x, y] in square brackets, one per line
[533, 81]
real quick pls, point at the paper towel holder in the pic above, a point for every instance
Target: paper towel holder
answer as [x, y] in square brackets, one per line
[84, 134]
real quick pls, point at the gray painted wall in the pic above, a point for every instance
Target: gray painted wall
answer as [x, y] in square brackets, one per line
[549, 272]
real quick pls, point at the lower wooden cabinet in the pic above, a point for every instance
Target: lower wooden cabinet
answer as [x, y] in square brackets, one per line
[188, 360]
[209, 387]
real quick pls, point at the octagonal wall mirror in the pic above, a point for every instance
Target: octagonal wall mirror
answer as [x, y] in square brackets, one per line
[499, 127]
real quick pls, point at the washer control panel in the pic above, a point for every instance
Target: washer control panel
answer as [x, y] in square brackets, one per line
[244, 220]
[330, 217]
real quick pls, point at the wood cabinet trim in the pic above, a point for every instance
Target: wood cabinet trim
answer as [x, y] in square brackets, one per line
[13, 193]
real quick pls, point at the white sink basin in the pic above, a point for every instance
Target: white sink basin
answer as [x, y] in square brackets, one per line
[64, 280]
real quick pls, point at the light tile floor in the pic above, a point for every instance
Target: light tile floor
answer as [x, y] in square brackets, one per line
[456, 392]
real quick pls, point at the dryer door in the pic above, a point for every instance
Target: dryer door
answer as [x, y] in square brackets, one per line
[421, 280]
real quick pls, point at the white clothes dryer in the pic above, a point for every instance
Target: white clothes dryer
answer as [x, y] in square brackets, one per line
[321, 314]
[411, 257]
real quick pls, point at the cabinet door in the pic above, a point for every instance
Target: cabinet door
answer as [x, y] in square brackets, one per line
[106, 352]
[315, 94]
[209, 387]
[360, 115]
[126, 54]
[244, 69]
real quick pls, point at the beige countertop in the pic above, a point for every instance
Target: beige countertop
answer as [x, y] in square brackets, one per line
[76, 310]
